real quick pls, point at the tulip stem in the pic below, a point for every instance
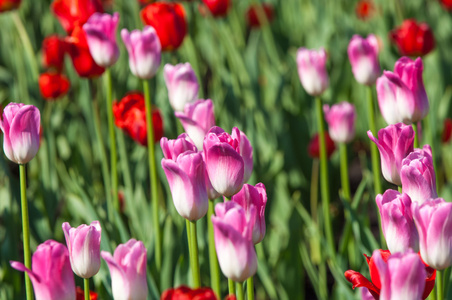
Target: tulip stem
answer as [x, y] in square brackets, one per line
[26, 43]
[239, 288]
[86, 284]
[345, 182]
[194, 255]
[440, 284]
[324, 177]
[153, 175]
[231, 286]
[416, 136]
[250, 288]
[213, 259]
[26, 230]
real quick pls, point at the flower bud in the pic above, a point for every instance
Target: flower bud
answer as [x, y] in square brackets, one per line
[182, 85]
[341, 121]
[363, 55]
[312, 70]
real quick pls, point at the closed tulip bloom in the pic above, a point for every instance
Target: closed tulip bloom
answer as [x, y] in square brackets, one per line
[50, 273]
[447, 4]
[397, 221]
[394, 142]
[20, 125]
[101, 37]
[418, 176]
[365, 9]
[363, 56]
[74, 13]
[233, 234]
[182, 85]
[173, 148]
[341, 121]
[53, 50]
[413, 38]
[83, 244]
[186, 178]
[314, 148]
[252, 15]
[197, 119]
[7, 5]
[312, 70]
[186, 293]
[53, 85]
[434, 223]
[254, 196]
[218, 8]
[128, 271]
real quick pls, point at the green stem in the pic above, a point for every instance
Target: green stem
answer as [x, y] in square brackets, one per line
[399, 188]
[86, 283]
[26, 43]
[213, 260]
[153, 175]
[345, 182]
[194, 256]
[433, 294]
[239, 288]
[187, 227]
[324, 177]
[440, 284]
[250, 288]
[231, 286]
[416, 136]
[26, 230]
[314, 188]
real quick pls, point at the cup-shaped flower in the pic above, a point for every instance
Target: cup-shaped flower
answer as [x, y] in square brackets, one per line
[397, 221]
[145, 51]
[185, 293]
[363, 56]
[173, 148]
[312, 70]
[401, 95]
[394, 142]
[128, 271]
[7, 5]
[197, 119]
[53, 50]
[53, 85]
[83, 244]
[20, 125]
[447, 130]
[101, 37]
[418, 176]
[434, 223]
[218, 8]
[187, 181]
[50, 273]
[233, 232]
[341, 121]
[73, 13]
[254, 196]
[182, 85]
[253, 17]
[314, 147]
[412, 38]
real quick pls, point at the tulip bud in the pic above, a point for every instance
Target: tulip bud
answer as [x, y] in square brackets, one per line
[172, 148]
[182, 85]
[341, 121]
[365, 9]
[84, 248]
[412, 38]
[75, 13]
[312, 70]
[363, 55]
[53, 85]
[218, 8]
[314, 147]
[186, 293]
[53, 50]
[20, 125]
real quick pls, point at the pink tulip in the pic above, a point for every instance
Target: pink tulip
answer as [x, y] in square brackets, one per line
[434, 223]
[401, 95]
[394, 142]
[312, 70]
[173, 148]
[100, 33]
[128, 271]
[233, 232]
[341, 121]
[363, 56]
[397, 221]
[248, 197]
[198, 117]
[418, 176]
[50, 273]
[187, 181]
[145, 51]
[20, 126]
[83, 244]
[182, 85]
[402, 277]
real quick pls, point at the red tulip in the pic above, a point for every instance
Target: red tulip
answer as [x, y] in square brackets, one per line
[6, 5]
[74, 13]
[53, 85]
[252, 15]
[447, 131]
[185, 293]
[412, 38]
[53, 50]
[81, 57]
[218, 8]
[81, 295]
[314, 147]
[130, 116]
[447, 4]
[365, 9]
[169, 22]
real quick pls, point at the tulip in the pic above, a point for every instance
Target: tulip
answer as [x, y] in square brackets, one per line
[363, 56]
[173, 148]
[7, 5]
[447, 131]
[250, 196]
[83, 244]
[197, 119]
[80, 294]
[233, 232]
[412, 38]
[314, 149]
[401, 95]
[100, 33]
[418, 176]
[182, 85]
[144, 51]
[397, 221]
[74, 13]
[51, 273]
[20, 125]
[341, 121]
[394, 142]
[130, 116]
[169, 22]
[434, 223]
[186, 293]
[128, 271]
[53, 50]
[312, 70]
[365, 9]
[186, 178]
[53, 85]
[218, 8]
[252, 14]
[447, 4]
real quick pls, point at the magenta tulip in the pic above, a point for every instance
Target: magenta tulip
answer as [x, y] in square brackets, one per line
[50, 273]
[363, 56]
[173, 148]
[341, 121]
[312, 70]
[20, 125]
[182, 85]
